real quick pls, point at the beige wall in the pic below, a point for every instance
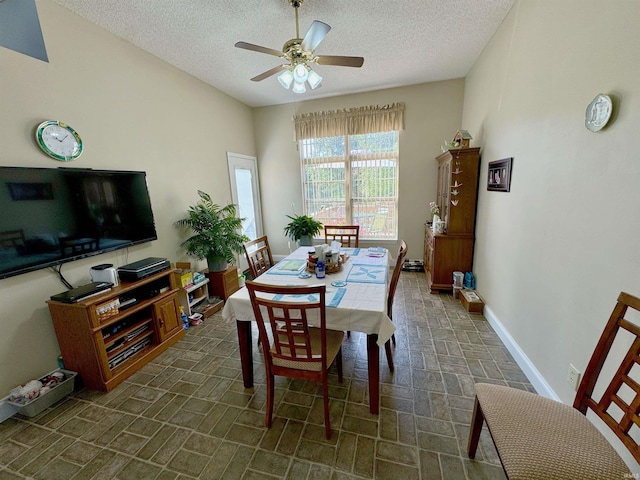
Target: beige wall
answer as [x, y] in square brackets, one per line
[432, 115]
[134, 112]
[553, 254]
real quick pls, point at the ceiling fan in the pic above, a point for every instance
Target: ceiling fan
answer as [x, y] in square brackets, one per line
[299, 53]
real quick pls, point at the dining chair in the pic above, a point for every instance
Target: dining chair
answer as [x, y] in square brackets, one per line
[402, 253]
[540, 438]
[290, 346]
[259, 256]
[348, 235]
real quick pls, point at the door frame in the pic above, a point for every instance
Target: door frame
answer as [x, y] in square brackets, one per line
[238, 160]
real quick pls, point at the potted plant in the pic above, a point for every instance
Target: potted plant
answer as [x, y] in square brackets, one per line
[302, 229]
[216, 230]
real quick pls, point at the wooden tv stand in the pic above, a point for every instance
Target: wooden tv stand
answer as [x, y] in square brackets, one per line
[107, 345]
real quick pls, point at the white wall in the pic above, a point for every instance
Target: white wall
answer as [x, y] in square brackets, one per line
[134, 112]
[553, 254]
[432, 115]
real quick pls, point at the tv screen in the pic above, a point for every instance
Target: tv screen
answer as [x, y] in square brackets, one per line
[53, 215]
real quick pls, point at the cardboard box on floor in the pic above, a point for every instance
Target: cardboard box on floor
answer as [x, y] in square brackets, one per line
[471, 301]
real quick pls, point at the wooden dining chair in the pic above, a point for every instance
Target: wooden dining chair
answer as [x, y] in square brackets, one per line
[402, 253]
[348, 235]
[259, 256]
[539, 438]
[290, 346]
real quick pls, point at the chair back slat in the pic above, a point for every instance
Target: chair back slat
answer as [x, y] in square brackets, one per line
[402, 252]
[258, 255]
[288, 338]
[347, 235]
[619, 405]
[290, 335]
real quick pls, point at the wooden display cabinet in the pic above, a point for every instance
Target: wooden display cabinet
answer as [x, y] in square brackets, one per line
[443, 255]
[457, 195]
[105, 343]
[223, 284]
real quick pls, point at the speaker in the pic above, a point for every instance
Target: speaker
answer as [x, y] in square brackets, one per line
[104, 273]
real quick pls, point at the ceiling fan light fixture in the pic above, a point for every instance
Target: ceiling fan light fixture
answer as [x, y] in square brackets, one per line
[285, 78]
[300, 73]
[298, 87]
[314, 79]
[299, 52]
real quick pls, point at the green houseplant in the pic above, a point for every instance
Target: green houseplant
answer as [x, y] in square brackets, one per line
[302, 228]
[216, 230]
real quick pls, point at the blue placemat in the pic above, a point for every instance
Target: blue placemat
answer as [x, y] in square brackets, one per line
[350, 251]
[367, 274]
[332, 299]
[288, 267]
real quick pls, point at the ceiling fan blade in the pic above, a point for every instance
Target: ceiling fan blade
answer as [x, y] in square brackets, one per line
[268, 73]
[258, 48]
[314, 36]
[340, 61]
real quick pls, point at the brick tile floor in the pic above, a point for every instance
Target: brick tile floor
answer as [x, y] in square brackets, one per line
[187, 415]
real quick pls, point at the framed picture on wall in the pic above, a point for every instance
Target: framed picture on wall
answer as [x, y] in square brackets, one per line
[499, 177]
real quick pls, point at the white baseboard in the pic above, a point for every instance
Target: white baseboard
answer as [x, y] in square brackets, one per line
[529, 369]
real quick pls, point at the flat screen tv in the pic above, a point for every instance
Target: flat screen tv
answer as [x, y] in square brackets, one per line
[49, 216]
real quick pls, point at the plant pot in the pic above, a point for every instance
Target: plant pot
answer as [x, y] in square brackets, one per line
[305, 241]
[216, 264]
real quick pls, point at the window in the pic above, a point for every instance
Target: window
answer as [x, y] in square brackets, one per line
[353, 180]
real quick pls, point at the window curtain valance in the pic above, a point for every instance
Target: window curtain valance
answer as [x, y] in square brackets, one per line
[350, 121]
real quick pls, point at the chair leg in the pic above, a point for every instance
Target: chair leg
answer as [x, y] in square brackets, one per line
[339, 365]
[325, 401]
[393, 339]
[348, 333]
[387, 349]
[270, 395]
[477, 420]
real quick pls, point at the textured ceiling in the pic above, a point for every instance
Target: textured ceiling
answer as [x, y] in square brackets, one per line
[403, 42]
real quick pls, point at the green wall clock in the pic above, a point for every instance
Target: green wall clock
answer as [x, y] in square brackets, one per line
[59, 140]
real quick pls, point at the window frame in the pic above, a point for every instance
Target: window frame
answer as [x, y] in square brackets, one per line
[348, 159]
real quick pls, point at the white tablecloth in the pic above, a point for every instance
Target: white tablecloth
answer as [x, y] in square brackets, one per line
[362, 306]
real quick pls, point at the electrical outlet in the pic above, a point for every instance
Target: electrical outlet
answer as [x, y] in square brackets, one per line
[573, 378]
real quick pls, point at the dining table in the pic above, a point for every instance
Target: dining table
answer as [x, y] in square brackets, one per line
[356, 301]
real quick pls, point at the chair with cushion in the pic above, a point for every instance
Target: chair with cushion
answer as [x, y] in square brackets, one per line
[539, 438]
[348, 235]
[258, 256]
[290, 346]
[402, 252]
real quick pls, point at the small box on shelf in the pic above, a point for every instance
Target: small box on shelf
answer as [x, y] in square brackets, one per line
[184, 275]
[108, 309]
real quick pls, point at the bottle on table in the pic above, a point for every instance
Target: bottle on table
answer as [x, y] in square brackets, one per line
[320, 269]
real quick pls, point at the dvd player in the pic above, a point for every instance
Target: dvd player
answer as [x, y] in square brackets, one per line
[142, 268]
[83, 292]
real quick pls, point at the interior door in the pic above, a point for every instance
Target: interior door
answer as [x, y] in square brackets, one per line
[245, 193]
